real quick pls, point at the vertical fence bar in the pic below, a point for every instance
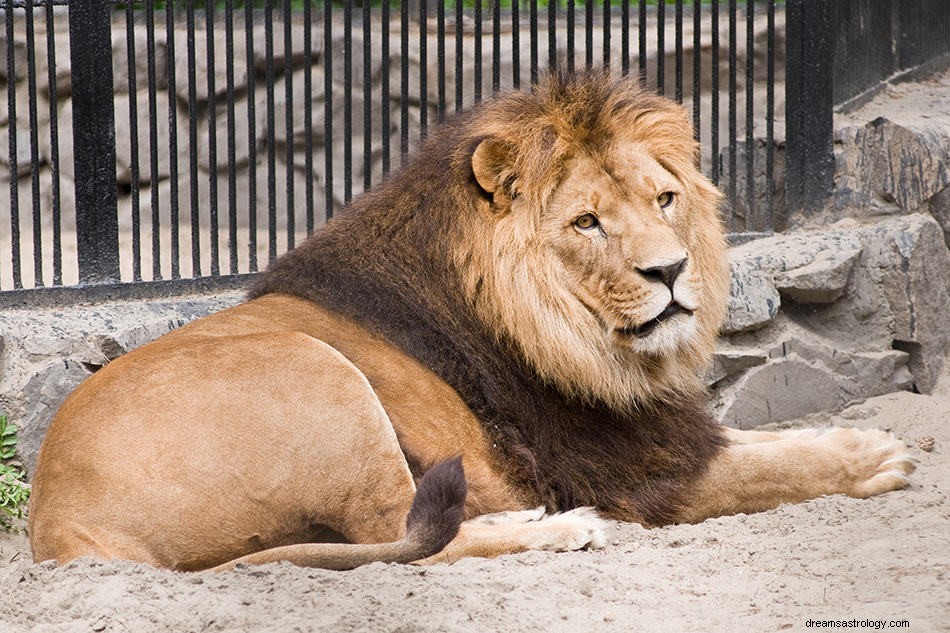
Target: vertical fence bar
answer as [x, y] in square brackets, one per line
[534, 41]
[496, 47]
[328, 106]
[404, 80]
[252, 135]
[477, 89]
[661, 47]
[714, 92]
[642, 41]
[733, 108]
[809, 83]
[97, 226]
[133, 144]
[697, 66]
[606, 42]
[54, 147]
[571, 47]
[289, 165]
[552, 35]
[678, 47]
[231, 142]
[174, 222]
[588, 35]
[308, 112]
[750, 219]
[423, 72]
[193, 141]
[34, 146]
[153, 140]
[515, 45]
[212, 141]
[270, 113]
[12, 147]
[440, 55]
[459, 56]
[770, 119]
[384, 87]
[367, 98]
[625, 37]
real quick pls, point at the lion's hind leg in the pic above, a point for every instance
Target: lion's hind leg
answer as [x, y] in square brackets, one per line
[761, 470]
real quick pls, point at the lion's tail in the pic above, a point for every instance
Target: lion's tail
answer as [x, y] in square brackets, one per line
[433, 521]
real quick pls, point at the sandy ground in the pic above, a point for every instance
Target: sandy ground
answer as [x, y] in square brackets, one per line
[834, 558]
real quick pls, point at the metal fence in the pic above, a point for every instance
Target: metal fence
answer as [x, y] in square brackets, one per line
[166, 141]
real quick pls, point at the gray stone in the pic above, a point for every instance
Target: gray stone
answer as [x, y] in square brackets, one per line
[780, 390]
[823, 280]
[884, 167]
[753, 299]
[914, 265]
[42, 395]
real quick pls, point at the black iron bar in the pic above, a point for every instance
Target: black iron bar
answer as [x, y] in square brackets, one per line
[459, 56]
[642, 41]
[289, 105]
[625, 37]
[212, 106]
[534, 40]
[607, 35]
[440, 57]
[174, 222]
[571, 49]
[496, 46]
[193, 140]
[12, 148]
[515, 45]
[328, 108]
[308, 114]
[270, 108]
[231, 142]
[770, 119]
[477, 88]
[133, 141]
[661, 47]
[252, 136]
[54, 150]
[697, 66]
[749, 121]
[153, 142]
[385, 123]
[404, 80]
[552, 35]
[679, 51]
[423, 72]
[714, 92]
[34, 146]
[589, 35]
[97, 230]
[733, 109]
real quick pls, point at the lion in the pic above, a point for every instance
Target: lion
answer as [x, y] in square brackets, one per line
[495, 350]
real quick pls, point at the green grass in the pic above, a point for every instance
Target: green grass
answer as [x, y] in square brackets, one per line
[14, 490]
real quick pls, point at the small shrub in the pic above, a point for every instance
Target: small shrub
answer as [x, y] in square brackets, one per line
[14, 490]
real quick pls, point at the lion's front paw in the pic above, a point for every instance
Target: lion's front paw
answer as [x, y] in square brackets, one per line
[576, 529]
[875, 461]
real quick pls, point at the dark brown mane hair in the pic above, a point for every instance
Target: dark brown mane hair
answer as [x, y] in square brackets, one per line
[389, 262]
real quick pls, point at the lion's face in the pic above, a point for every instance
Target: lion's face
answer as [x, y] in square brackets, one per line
[613, 227]
[604, 260]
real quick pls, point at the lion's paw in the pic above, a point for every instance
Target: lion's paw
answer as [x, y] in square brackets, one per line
[573, 530]
[876, 461]
[510, 518]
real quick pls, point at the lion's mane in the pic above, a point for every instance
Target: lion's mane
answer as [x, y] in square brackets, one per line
[419, 261]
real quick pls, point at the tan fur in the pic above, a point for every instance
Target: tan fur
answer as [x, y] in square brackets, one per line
[263, 431]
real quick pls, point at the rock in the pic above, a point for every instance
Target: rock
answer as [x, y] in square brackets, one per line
[774, 392]
[913, 262]
[823, 280]
[728, 362]
[42, 395]
[753, 299]
[884, 167]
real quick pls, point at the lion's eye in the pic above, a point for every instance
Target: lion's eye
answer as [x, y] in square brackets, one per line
[586, 222]
[665, 199]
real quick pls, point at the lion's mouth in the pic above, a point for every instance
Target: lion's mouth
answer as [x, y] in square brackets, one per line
[644, 329]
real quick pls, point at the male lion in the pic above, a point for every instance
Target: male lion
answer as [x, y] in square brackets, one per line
[533, 293]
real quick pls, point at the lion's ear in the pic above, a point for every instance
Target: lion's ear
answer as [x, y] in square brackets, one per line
[492, 164]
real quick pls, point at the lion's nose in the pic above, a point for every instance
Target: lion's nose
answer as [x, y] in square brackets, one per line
[666, 274]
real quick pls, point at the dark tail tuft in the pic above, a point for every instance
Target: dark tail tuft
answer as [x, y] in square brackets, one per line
[437, 509]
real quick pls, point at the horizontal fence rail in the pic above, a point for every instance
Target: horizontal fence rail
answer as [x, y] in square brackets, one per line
[238, 128]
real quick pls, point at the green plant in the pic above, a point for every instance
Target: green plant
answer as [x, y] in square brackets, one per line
[14, 490]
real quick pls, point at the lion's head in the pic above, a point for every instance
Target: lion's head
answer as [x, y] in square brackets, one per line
[570, 223]
[599, 249]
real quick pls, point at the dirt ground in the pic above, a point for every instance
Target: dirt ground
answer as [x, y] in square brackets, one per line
[835, 558]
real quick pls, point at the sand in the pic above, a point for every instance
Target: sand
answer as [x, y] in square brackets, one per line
[831, 559]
